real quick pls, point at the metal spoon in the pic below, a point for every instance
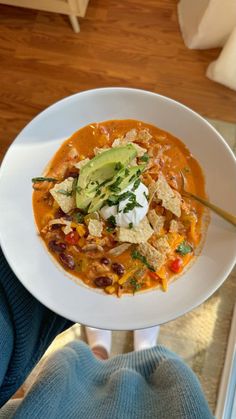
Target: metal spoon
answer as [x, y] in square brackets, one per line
[222, 213]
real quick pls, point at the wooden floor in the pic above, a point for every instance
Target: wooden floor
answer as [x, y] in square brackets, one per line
[132, 43]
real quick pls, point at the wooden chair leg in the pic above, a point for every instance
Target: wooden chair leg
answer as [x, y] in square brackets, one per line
[74, 23]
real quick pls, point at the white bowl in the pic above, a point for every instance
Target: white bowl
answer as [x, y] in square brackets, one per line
[30, 261]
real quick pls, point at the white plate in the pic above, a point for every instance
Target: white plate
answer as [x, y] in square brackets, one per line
[30, 153]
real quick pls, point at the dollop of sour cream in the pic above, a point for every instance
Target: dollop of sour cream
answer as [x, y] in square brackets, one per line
[132, 217]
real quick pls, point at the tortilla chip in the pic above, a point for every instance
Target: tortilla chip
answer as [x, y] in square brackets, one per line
[144, 135]
[140, 150]
[133, 162]
[153, 256]
[171, 200]
[118, 142]
[81, 163]
[66, 203]
[174, 226]
[118, 250]
[95, 228]
[98, 150]
[131, 135]
[162, 245]
[157, 221]
[67, 229]
[152, 192]
[138, 234]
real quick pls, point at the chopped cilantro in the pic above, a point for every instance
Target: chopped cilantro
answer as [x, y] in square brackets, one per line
[105, 182]
[116, 199]
[184, 248]
[145, 157]
[74, 185]
[130, 225]
[137, 255]
[78, 217]
[126, 172]
[186, 169]
[146, 196]
[136, 184]
[112, 200]
[133, 177]
[43, 179]
[118, 166]
[114, 187]
[131, 204]
[110, 229]
[111, 223]
[98, 192]
[63, 192]
[135, 284]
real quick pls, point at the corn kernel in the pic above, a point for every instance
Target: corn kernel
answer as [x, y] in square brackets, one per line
[115, 277]
[110, 289]
[175, 239]
[148, 282]
[122, 280]
[81, 242]
[79, 228]
[126, 276]
[162, 273]
[193, 233]
[164, 284]
[186, 259]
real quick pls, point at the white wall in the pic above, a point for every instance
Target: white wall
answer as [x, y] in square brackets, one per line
[206, 23]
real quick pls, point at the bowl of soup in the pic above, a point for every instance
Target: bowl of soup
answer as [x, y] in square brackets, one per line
[106, 237]
[127, 228]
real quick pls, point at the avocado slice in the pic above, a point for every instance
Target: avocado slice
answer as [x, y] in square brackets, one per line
[104, 164]
[99, 170]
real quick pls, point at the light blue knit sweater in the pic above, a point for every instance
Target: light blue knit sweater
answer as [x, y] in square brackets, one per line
[153, 383]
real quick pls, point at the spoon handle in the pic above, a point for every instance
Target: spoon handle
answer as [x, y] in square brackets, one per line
[224, 214]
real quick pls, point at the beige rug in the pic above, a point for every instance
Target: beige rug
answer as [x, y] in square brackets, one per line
[199, 337]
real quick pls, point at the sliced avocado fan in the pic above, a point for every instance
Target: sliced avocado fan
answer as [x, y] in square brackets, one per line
[99, 173]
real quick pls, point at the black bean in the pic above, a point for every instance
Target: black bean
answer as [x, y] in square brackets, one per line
[118, 268]
[57, 246]
[67, 260]
[67, 217]
[59, 213]
[55, 226]
[102, 281]
[105, 261]
[72, 173]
